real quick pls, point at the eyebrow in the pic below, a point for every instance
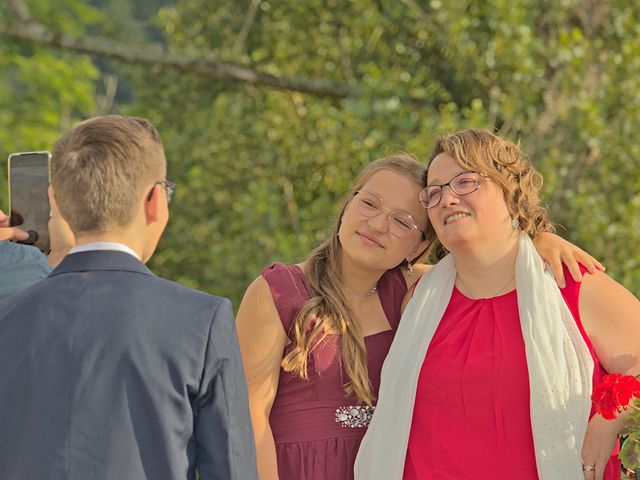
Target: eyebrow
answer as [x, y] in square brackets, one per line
[430, 184]
[365, 190]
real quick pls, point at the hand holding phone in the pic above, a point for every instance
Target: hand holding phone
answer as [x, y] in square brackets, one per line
[28, 200]
[12, 234]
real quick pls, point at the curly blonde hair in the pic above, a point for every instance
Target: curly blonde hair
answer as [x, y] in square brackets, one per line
[327, 311]
[506, 165]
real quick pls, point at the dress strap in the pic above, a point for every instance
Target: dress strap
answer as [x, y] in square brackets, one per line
[288, 289]
[392, 288]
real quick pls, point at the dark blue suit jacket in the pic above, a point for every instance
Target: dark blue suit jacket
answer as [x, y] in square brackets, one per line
[109, 372]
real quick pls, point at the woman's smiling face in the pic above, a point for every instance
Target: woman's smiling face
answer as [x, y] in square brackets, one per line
[461, 219]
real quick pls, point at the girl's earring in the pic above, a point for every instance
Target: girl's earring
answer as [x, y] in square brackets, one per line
[409, 268]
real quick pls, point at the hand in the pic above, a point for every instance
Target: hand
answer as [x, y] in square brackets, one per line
[60, 234]
[557, 251]
[599, 442]
[13, 234]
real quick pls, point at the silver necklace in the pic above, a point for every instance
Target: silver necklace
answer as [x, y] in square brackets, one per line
[368, 293]
[497, 291]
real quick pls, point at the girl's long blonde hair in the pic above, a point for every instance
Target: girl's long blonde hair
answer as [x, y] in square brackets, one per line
[327, 311]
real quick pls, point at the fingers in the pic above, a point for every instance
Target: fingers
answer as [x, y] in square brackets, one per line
[556, 268]
[4, 219]
[574, 257]
[589, 471]
[10, 233]
[13, 234]
[594, 470]
[591, 264]
[571, 260]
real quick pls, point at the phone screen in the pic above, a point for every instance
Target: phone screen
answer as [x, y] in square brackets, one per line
[28, 200]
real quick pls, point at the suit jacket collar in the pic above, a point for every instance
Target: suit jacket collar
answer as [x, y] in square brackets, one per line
[104, 260]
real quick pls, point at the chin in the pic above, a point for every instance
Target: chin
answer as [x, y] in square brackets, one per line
[455, 242]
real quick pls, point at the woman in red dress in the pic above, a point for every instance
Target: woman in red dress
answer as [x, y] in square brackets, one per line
[491, 371]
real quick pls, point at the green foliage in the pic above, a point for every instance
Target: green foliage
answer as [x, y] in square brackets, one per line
[630, 451]
[261, 173]
[43, 92]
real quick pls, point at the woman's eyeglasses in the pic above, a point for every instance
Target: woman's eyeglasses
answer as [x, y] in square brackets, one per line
[462, 184]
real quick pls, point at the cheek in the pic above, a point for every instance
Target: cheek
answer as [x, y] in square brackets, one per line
[496, 211]
[349, 217]
[434, 218]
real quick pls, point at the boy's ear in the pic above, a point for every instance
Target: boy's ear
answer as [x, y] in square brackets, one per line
[151, 205]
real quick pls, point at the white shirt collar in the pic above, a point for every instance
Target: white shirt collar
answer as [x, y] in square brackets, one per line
[119, 247]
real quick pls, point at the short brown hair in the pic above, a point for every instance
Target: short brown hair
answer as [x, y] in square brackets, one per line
[507, 166]
[99, 168]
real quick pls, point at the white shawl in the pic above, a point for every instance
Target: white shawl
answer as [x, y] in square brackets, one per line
[559, 364]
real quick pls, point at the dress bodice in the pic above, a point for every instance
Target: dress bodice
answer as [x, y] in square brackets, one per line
[311, 441]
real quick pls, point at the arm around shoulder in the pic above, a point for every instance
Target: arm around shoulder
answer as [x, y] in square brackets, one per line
[225, 445]
[611, 317]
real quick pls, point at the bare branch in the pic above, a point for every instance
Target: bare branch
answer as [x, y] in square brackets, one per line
[155, 55]
[106, 102]
[246, 26]
[19, 10]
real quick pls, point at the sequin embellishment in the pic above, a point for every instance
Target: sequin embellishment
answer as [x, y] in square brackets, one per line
[354, 416]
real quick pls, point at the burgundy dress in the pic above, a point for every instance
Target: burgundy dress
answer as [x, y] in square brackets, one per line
[471, 416]
[311, 442]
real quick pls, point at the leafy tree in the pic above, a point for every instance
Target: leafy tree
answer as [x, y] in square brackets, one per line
[268, 110]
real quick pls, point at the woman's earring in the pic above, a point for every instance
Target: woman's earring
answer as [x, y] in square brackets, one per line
[515, 224]
[409, 268]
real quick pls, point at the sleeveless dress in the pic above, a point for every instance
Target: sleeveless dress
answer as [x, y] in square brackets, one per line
[471, 415]
[310, 443]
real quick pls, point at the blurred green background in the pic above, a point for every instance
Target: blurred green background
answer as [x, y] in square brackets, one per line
[260, 170]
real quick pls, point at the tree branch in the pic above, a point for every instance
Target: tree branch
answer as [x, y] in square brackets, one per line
[155, 55]
[246, 26]
[19, 10]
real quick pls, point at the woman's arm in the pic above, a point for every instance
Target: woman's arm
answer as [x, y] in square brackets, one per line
[611, 317]
[262, 341]
[556, 250]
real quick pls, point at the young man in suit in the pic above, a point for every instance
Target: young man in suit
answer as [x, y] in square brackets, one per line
[109, 372]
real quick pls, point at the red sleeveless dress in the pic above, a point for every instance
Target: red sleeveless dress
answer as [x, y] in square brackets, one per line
[310, 443]
[471, 416]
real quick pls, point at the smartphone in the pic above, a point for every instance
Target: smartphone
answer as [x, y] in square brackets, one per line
[28, 199]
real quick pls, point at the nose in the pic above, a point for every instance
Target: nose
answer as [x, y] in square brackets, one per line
[448, 197]
[380, 222]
